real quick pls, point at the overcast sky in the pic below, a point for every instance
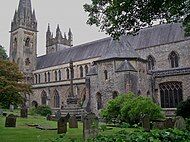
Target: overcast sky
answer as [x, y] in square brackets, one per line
[66, 13]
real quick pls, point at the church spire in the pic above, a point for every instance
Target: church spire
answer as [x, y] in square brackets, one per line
[26, 18]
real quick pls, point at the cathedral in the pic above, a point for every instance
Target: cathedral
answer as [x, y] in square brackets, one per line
[77, 79]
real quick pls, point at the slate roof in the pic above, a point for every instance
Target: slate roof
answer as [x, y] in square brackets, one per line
[125, 66]
[77, 53]
[156, 35]
[119, 49]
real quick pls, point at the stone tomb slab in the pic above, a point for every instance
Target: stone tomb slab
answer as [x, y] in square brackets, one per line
[10, 121]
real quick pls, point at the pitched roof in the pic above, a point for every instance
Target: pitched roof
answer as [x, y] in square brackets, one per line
[119, 49]
[77, 53]
[156, 35]
[125, 66]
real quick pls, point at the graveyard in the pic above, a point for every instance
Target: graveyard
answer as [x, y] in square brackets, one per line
[26, 131]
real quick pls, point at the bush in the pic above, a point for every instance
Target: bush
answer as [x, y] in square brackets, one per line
[43, 110]
[169, 135]
[183, 109]
[130, 108]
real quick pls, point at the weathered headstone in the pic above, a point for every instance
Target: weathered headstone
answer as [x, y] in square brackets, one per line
[180, 123]
[24, 112]
[10, 121]
[48, 117]
[11, 108]
[73, 123]
[1, 112]
[146, 123]
[58, 115]
[90, 126]
[169, 123]
[67, 116]
[62, 125]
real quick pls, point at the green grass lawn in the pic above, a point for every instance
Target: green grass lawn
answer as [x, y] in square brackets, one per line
[24, 133]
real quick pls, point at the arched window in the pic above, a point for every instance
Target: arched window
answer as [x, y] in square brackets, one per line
[151, 62]
[49, 76]
[174, 59]
[39, 78]
[44, 98]
[34, 104]
[99, 101]
[81, 71]
[171, 94]
[45, 76]
[27, 61]
[67, 71]
[55, 75]
[27, 42]
[59, 72]
[36, 78]
[86, 69]
[56, 99]
[106, 74]
[15, 44]
[115, 94]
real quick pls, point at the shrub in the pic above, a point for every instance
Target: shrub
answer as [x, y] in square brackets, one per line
[168, 135]
[183, 109]
[43, 110]
[130, 108]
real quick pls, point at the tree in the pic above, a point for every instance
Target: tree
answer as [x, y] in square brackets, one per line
[183, 109]
[118, 17]
[12, 86]
[3, 55]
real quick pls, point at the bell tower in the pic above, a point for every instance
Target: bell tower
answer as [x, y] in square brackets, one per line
[23, 38]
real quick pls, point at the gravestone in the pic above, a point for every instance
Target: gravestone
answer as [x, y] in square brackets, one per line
[90, 126]
[58, 115]
[10, 121]
[146, 123]
[169, 123]
[180, 123]
[11, 108]
[1, 112]
[24, 112]
[62, 125]
[48, 117]
[67, 116]
[73, 123]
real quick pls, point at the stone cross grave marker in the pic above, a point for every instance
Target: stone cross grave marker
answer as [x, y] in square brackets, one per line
[73, 123]
[24, 112]
[10, 121]
[62, 125]
[146, 123]
[58, 115]
[169, 123]
[90, 126]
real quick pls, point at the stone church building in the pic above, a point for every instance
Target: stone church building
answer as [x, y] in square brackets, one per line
[154, 63]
